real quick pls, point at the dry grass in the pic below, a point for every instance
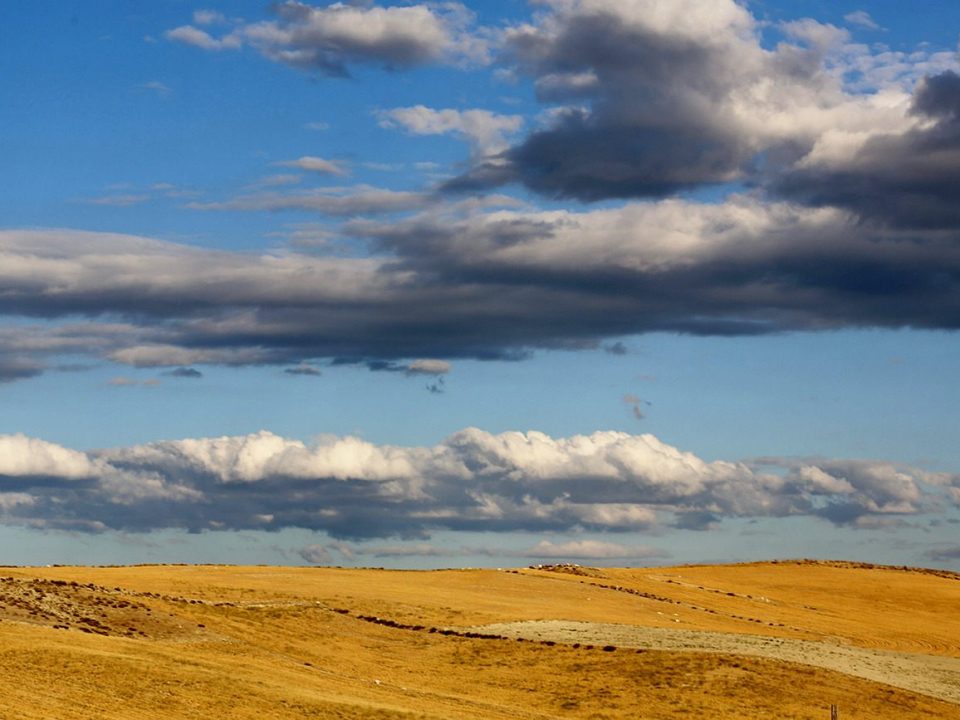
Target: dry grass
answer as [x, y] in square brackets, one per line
[272, 646]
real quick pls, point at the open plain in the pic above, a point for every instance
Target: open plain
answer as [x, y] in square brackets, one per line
[761, 640]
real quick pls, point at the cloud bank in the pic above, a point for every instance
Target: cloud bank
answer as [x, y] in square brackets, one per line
[837, 162]
[473, 480]
[492, 284]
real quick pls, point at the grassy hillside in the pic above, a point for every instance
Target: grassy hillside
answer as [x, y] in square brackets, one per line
[265, 642]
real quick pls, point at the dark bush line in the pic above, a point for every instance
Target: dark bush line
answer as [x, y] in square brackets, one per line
[448, 632]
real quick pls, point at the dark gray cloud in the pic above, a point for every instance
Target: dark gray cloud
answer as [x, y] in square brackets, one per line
[488, 285]
[304, 369]
[945, 553]
[12, 368]
[645, 99]
[185, 372]
[645, 133]
[650, 99]
[473, 480]
[909, 179]
[637, 405]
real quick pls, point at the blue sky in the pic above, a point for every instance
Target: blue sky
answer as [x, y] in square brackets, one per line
[424, 284]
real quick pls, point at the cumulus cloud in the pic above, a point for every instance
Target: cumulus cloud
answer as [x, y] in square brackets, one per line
[328, 39]
[652, 97]
[22, 456]
[473, 480]
[905, 179]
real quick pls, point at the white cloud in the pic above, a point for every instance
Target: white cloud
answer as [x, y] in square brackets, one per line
[591, 550]
[208, 17]
[428, 367]
[473, 480]
[158, 87]
[173, 355]
[316, 164]
[189, 35]
[329, 39]
[487, 132]
[279, 180]
[126, 200]
[22, 456]
[861, 18]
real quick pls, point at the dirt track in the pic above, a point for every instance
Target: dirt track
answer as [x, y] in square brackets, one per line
[931, 675]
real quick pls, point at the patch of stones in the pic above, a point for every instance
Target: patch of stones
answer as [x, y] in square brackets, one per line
[85, 607]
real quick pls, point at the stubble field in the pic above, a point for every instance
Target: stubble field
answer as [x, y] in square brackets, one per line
[764, 640]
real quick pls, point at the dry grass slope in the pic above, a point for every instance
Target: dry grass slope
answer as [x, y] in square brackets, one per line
[263, 642]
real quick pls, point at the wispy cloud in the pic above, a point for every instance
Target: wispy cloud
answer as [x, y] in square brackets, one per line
[316, 164]
[185, 372]
[861, 18]
[636, 405]
[122, 381]
[157, 87]
[190, 35]
[126, 200]
[487, 132]
[338, 201]
[328, 40]
[304, 369]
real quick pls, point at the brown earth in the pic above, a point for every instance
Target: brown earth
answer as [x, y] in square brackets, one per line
[775, 640]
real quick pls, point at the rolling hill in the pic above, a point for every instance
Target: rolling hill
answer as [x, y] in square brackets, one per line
[774, 640]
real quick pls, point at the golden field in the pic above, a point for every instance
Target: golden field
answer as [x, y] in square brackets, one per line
[785, 640]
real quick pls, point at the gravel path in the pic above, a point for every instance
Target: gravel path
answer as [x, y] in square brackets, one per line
[931, 675]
